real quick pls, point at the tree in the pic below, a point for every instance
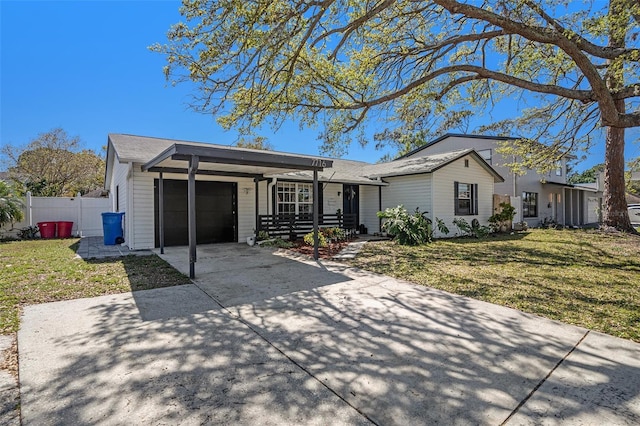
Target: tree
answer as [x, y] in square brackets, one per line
[633, 185]
[54, 165]
[588, 176]
[344, 65]
[10, 205]
[258, 142]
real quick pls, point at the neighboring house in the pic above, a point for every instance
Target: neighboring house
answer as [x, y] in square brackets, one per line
[542, 197]
[237, 190]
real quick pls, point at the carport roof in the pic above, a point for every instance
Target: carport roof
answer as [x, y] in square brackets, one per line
[169, 154]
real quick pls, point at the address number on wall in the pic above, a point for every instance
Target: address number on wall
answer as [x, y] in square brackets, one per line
[318, 162]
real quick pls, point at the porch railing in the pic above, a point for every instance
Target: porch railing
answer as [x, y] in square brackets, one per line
[301, 224]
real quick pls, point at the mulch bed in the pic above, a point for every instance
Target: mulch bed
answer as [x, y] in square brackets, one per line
[323, 252]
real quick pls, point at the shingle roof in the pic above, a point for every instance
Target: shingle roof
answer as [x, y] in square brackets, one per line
[425, 164]
[141, 149]
[455, 135]
[410, 166]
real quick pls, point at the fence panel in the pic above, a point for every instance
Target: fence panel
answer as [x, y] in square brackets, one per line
[85, 213]
[91, 215]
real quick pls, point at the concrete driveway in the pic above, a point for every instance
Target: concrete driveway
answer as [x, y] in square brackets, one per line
[268, 338]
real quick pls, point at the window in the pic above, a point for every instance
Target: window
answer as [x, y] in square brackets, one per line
[294, 198]
[529, 204]
[486, 154]
[117, 198]
[559, 169]
[465, 199]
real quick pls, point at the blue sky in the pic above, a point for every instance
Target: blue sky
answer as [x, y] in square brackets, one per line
[84, 66]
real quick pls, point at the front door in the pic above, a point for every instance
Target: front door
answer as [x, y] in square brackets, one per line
[351, 201]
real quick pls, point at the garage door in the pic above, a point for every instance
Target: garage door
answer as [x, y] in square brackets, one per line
[216, 219]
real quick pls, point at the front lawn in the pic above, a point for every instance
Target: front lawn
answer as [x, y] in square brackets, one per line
[40, 271]
[586, 278]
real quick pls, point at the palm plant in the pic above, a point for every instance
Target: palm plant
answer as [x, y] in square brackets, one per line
[10, 205]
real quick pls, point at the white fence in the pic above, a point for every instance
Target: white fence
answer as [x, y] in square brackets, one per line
[85, 213]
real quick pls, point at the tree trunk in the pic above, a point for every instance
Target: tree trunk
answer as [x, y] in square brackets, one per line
[615, 206]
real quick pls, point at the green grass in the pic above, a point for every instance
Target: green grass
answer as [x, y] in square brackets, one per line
[40, 271]
[586, 278]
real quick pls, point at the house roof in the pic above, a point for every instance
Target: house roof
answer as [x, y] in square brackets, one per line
[466, 136]
[143, 150]
[173, 156]
[426, 164]
[584, 187]
[456, 135]
[156, 153]
[232, 162]
[632, 198]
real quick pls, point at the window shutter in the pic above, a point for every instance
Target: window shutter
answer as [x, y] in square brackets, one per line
[455, 197]
[474, 198]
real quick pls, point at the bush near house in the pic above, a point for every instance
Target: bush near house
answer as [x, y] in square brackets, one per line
[409, 229]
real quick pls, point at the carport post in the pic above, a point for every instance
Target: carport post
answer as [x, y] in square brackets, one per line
[161, 211]
[315, 214]
[257, 181]
[191, 194]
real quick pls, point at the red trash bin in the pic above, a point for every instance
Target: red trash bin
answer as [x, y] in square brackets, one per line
[64, 229]
[47, 229]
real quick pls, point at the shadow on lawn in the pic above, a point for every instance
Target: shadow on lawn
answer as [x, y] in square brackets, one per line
[560, 252]
[400, 354]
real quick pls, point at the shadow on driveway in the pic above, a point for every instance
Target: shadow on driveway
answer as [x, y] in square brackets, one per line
[296, 341]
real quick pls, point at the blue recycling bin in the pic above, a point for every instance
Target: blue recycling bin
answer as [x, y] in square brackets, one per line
[112, 227]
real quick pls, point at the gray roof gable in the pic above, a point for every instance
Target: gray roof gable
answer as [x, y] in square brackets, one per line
[426, 164]
[456, 135]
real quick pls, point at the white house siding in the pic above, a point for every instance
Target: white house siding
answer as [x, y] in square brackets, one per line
[369, 208]
[443, 195]
[413, 191]
[120, 186]
[331, 201]
[246, 206]
[139, 219]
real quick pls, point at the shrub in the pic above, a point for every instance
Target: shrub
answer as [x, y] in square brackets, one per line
[28, 233]
[277, 242]
[442, 227]
[474, 230]
[463, 226]
[408, 229]
[10, 205]
[503, 217]
[322, 240]
[262, 235]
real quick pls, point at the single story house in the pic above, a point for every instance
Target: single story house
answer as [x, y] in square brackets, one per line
[236, 191]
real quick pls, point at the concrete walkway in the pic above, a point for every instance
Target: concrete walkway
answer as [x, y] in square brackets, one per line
[266, 337]
[94, 248]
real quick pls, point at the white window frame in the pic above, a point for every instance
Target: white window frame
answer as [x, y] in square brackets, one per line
[298, 195]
